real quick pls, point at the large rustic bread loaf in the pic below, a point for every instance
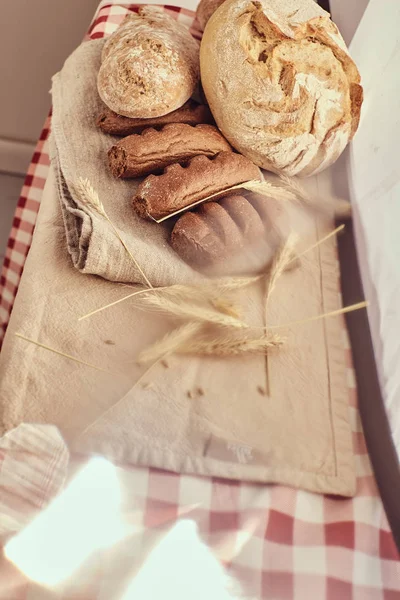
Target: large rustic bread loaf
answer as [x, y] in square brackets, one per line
[150, 65]
[280, 83]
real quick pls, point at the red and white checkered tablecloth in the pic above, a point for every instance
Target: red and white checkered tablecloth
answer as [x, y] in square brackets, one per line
[278, 543]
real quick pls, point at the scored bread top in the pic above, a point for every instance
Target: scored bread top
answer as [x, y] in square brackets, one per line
[160, 195]
[280, 83]
[217, 230]
[153, 150]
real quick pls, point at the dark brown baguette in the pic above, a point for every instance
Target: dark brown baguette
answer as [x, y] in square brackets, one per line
[190, 113]
[152, 150]
[178, 187]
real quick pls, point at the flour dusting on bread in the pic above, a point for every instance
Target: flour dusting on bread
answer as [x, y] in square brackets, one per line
[150, 65]
[280, 83]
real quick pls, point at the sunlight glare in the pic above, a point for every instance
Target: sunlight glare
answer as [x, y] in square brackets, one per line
[181, 567]
[84, 518]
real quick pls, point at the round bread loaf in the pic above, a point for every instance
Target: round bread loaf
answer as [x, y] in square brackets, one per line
[280, 83]
[205, 9]
[150, 65]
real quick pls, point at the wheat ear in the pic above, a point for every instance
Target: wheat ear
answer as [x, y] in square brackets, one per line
[170, 342]
[194, 312]
[265, 188]
[207, 292]
[229, 345]
[340, 207]
[86, 192]
[284, 257]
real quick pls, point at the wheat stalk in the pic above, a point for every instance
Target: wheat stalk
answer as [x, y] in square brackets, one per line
[340, 207]
[333, 313]
[176, 291]
[281, 262]
[194, 312]
[265, 188]
[183, 293]
[284, 257]
[206, 293]
[321, 241]
[97, 310]
[229, 345]
[291, 190]
[87, 194]
[225, 306]
[170, 342]
[74, 358]
[207, 290]
[233, 283]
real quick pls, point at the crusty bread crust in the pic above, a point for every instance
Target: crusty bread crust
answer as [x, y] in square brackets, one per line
[151, 151]
[150, 65]
[179, 187]
[217, 230]
[191, 113]
[280, 83]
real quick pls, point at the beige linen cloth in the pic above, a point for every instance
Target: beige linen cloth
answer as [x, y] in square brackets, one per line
[296, 434]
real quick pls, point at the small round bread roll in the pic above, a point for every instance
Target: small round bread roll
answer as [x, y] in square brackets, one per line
[280, 83]
[205, 9]
[150, 65]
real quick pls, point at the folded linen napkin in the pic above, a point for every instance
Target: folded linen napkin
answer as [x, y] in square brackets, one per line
[79, 151]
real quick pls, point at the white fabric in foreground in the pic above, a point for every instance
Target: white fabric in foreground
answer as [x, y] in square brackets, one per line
[33, 470]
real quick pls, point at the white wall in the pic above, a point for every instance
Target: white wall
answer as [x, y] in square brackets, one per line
[36, 37]
[347, 15]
